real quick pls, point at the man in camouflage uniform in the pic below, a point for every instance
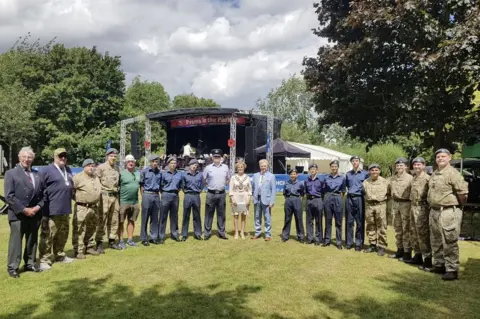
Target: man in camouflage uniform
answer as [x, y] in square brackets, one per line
[109, 175]
[400, 187]
[419, 228]
[447, 193]
[87, 196]
[376, 190]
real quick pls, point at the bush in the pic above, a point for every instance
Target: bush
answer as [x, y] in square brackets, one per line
[384, 155]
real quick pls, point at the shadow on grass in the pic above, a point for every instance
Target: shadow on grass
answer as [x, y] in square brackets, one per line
[417, 295]
[85, 298]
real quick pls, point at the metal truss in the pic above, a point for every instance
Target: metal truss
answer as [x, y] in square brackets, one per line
[269, 150]
[233, 136]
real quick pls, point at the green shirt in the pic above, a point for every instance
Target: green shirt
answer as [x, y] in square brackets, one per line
[129, 186]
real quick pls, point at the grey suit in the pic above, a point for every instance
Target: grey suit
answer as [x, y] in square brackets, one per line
[21, 193]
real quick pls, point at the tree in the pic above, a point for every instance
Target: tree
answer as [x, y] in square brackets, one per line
[385, 155]
[397, 67]
[187, 101]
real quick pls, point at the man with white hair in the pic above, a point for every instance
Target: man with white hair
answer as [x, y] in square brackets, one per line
[24, 195]
[129, 208]
[264, 192]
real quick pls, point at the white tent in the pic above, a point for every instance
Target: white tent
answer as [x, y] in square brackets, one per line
[321, 156]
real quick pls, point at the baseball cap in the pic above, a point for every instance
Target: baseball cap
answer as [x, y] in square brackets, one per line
[59, 151]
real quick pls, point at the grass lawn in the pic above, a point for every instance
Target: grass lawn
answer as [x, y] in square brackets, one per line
[239, 279]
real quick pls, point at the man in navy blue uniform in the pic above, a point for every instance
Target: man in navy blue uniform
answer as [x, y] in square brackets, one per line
[170, 186]
[335, 187]
[293, 192]
[355, 205]
[150, 179]
[314, 187]
[191, 184]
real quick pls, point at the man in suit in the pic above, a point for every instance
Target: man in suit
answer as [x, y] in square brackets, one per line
[264, 193]
[24, 195]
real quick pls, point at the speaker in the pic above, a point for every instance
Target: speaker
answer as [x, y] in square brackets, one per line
[249, 147]
[134, 146]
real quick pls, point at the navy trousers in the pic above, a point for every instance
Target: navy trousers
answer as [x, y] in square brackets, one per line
[150, 211]
[314, 220]
[333, 208]
[191, 203]
[355, 215]
[293, 207]
[169, 207]
[215, 202]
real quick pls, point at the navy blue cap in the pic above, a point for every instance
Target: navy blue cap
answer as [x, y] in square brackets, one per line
[171, 158]
[217, 152]
[112, 151]
[313, 165]
[442, 150]
[374, 165]
[354, 157]
[193, 161]
[401, 160]
[153, 157]
[290, 171]
[335, 162]
[418, 160]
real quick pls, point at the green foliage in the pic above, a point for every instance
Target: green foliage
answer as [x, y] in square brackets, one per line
[187, 101]
[393, 68]
[385, 155]
[143, 97]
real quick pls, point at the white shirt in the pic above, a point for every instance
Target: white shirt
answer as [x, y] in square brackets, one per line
[187, 149]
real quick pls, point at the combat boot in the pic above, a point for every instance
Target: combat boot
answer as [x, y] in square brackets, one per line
[381, 252]
[92, 251]
[450, 275]
[416, 260]
[407, 256]
[398, 254]
[371, 249]
[100, 248]
[437, 270]
[80, 256]
[427, 264]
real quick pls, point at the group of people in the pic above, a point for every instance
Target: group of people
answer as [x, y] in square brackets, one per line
[107, 197]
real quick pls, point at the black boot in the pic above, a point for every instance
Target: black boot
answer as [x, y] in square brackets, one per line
[100, 247]
[450, 275]
[398, 254]
[416, 260]
[427, 264]
[371, 249]
[407, 256]
[437, 270]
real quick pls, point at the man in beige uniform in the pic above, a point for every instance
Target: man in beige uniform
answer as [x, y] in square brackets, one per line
[109, 175]
[87, 197]
[400, 186]
[447, 194]
[420, 234]
[376, 190]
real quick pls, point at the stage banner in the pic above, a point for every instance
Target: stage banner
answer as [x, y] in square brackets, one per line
[204, 121]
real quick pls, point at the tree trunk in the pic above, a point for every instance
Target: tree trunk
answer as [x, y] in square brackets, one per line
[10, 156]
[439, 141]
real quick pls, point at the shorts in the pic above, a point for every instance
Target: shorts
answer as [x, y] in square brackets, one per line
[130, 211]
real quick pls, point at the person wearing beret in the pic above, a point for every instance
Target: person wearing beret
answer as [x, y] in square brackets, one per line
[87, 196]
[109, 175]
[150, 179]
[192, 185]
[24, 196]
[335, 187]
[314, 188]
[169, 187]
[447, 194]
[401, 184]
[419, 215]
[293, 192]
[377, 190]
[355, 205]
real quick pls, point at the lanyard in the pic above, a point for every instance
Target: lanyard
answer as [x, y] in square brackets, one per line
[64, 174]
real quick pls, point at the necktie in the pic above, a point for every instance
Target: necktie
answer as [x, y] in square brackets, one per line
[29, 176]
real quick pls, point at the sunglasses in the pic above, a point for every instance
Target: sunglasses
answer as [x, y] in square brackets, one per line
[62, 155]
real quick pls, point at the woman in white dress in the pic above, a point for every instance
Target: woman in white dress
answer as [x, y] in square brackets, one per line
[240, 191]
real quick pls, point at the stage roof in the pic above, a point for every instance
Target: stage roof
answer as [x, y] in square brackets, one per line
[206, 111]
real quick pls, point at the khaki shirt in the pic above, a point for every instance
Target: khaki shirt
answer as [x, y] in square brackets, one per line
[376, 190]
[87, 188]
[419, 188]
[401, 185]
[444, 186]
[109, 177]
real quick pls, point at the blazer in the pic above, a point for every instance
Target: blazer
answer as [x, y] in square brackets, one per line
[20, 193]
[267, 191]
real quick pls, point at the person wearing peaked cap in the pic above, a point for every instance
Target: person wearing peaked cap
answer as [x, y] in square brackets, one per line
[150, 180]
[109, 175]
[447, 194]
[293, 192]
[314, 189]
[216, 177]
[87, 196]
[169, 187]
[355, 206]
[129, 208]
[419, 216]
[400, 185]
[376, 189]
[335, 187]
[192, 185]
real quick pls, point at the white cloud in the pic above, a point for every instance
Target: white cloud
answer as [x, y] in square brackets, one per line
[233, 54]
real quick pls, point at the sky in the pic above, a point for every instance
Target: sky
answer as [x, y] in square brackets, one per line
[233, 51]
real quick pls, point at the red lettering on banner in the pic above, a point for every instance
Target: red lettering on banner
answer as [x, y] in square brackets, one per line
[205, 120]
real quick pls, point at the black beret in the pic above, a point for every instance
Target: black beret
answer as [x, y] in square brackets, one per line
[374, 165]
[418, 160]
[290, 171]
[401, 160]
[442, 150]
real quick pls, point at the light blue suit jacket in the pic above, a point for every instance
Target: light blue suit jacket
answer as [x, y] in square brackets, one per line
[267, 191]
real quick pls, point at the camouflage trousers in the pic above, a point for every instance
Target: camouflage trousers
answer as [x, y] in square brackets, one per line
[84, 227]
[420, 230]
[53, 238]
[401, 224]
[109, 214]
[444, 232]
[376, 224]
